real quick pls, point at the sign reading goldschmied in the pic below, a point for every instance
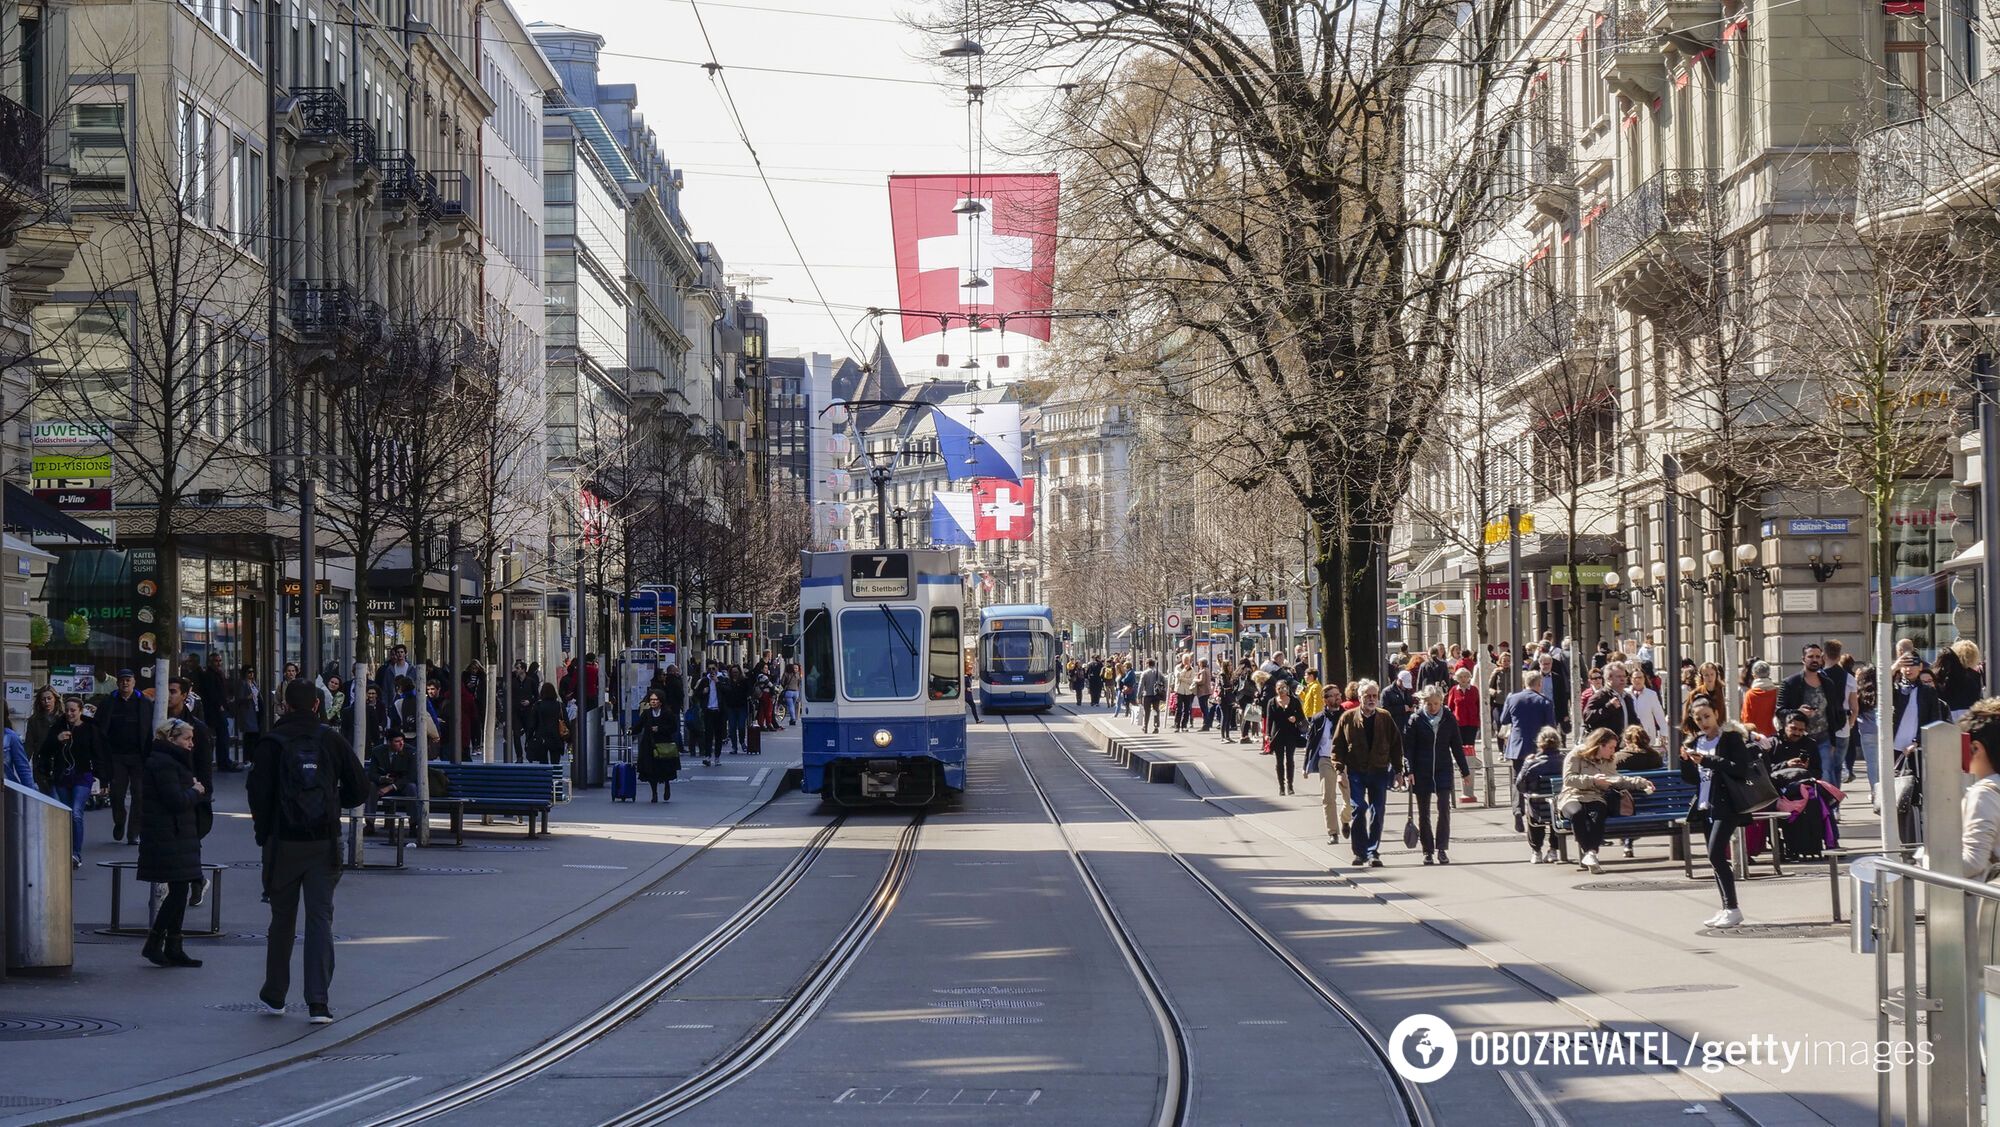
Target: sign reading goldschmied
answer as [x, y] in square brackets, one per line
[64, 432]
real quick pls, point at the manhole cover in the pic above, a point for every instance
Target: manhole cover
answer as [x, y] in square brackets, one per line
[1776, 931]
[1684, 988]
[449, 871]
[253, 1007]
[1643, 886]
[981, 1019]
[493, 847]
[668, 892]
[988, 1004]
[988, 990]
[15, 1027]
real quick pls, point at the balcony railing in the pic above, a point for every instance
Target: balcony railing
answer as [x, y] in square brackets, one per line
[399, 178]
[1564, 327]
[1675, 202]
[361, 137]
[22, 155]
[1951, 146]
[449, 194]
[324, 308]
[322, 109]
[1624, 32]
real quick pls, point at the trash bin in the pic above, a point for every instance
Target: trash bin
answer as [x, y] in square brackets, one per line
[1861, 925]
[41, 925]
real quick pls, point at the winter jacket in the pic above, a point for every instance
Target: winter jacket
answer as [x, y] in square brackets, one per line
[1607, 710]
[169, 834]
[126, 724]
[1731, 758]
[1286, 724]
[1833, 685]
[1529, 712]
[59, 761]
[1312, 698]
[1462, 701]
[1539, 772]
[1760, 704]
[1433, 750]
[263, 786]
[1368, 742]
[1580, 785]
[651, 732]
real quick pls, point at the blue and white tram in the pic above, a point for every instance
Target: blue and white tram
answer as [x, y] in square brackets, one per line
[884, 681]
[1020, 658]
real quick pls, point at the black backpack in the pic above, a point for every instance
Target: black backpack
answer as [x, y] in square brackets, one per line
[308, 785]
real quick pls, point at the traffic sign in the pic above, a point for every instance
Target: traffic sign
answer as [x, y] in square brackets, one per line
[1173, 620]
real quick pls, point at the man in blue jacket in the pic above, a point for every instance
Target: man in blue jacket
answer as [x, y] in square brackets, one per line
[1525, 714]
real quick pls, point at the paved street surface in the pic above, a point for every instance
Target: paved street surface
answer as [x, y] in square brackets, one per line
[792, 971]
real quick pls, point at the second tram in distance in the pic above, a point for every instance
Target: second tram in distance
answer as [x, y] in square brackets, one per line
[1020, 658]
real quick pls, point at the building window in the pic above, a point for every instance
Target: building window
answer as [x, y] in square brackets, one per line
[1903, 67]
[99, 156]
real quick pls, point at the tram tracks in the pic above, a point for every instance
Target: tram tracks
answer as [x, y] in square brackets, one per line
[1176, 1107]
[764, 1041]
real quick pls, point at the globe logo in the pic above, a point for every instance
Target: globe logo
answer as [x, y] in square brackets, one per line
[1423, 1048]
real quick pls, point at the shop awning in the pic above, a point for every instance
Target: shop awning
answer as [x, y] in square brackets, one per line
[31, 517]
[15, 546]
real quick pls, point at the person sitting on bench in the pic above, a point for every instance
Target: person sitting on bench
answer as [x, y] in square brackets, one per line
[1539, 765]
[392, 771]
[1590, 778]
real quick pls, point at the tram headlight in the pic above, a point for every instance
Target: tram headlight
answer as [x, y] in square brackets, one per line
[882, 737]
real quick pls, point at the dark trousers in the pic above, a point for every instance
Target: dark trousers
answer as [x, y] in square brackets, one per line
[713, 728]
[1096, 692]
[1149, 714]
[1207, 713]
[1183, 710]
[1588, 825]
[1228, 710]
[293, 869]
[125, 774]
[1283, 756]
[1440, 796]
[173, 907]
[1369, 791]
[1718, 860]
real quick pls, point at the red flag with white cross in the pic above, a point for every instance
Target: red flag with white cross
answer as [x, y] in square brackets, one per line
[974, 246]
[1002, 510]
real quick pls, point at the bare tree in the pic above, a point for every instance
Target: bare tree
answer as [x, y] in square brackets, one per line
[1242, 176]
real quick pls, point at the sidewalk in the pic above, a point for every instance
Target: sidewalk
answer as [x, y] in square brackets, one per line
[403, 937]
[1616, 947]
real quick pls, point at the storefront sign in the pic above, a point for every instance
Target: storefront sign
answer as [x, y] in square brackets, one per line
[1817, 526]
[103, 526]
[384, 606]
[291, 587]
[76, 500]
[1497, 592]
[59, 433]
[1446, 608]
[67, 467]
[1799, 599]
[222, 590]
[1587, 575]
[329, 606]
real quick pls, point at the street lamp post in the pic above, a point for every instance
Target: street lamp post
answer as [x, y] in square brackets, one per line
[1670, 593]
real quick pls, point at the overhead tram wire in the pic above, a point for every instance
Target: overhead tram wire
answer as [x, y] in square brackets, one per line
[721, 83]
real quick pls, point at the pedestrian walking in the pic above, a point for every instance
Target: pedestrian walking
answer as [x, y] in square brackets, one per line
[170, 837]
[1204, 692]
[548, 727]
[1462, 700]
[1525, 714]
[713, 696]
[657, 736]
[47, 714]
[211, 688]
[1368, 747]
[1717, 760]
[1152, 694]
[1288, 734]
[1093, 680]
[1434, 751]
[124, 723]
[301, 777]
[70, 759]
[1184, 686]
[1335, 796]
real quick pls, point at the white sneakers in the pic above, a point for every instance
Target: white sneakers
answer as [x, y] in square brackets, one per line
[1534, 856]
[1728, 917]
[1589, 861]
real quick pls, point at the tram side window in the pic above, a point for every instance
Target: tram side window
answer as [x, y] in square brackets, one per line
[878, 652]
[947, 676]
[819, 655]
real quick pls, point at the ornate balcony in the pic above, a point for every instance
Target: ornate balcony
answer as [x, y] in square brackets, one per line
[323, 141]
[332, 319]
[1691, 25]
[22, 161]
[1919, 174]
[1571, 330]
[1552, 172]
[1655, 247]
[1628, 54]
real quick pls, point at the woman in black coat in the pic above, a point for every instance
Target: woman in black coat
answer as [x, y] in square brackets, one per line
[1714, 757]
[657, 730]
[170, 840]
[545, 727]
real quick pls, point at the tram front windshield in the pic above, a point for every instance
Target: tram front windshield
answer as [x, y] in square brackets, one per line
[1026, 652]
[878, 652]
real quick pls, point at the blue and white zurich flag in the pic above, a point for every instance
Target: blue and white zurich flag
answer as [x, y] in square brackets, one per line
[987, 444]
[951, 520]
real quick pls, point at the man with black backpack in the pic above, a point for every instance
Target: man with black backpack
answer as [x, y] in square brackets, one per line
[302, 774]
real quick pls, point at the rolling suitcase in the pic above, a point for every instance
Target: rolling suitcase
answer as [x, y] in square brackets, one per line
[624, 782]
[756, 745]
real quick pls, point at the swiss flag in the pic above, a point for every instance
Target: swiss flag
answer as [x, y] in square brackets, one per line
[997, 233]
[1002, 510]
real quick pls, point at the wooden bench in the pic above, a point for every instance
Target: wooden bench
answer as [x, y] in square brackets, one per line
[530, 789]
[398, 807]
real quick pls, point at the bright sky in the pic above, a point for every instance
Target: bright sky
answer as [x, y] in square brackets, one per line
[828, 143]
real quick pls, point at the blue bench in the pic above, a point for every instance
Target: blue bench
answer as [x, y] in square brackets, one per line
[532, 789]
[1662, 813]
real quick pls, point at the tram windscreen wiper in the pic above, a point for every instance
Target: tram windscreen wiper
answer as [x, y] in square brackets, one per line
[895, 682]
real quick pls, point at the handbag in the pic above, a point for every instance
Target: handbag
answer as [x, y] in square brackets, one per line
[1626, 806]
[1409, 819]
[1755, 791]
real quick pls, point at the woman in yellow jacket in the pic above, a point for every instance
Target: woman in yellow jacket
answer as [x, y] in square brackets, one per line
[1312, 697]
